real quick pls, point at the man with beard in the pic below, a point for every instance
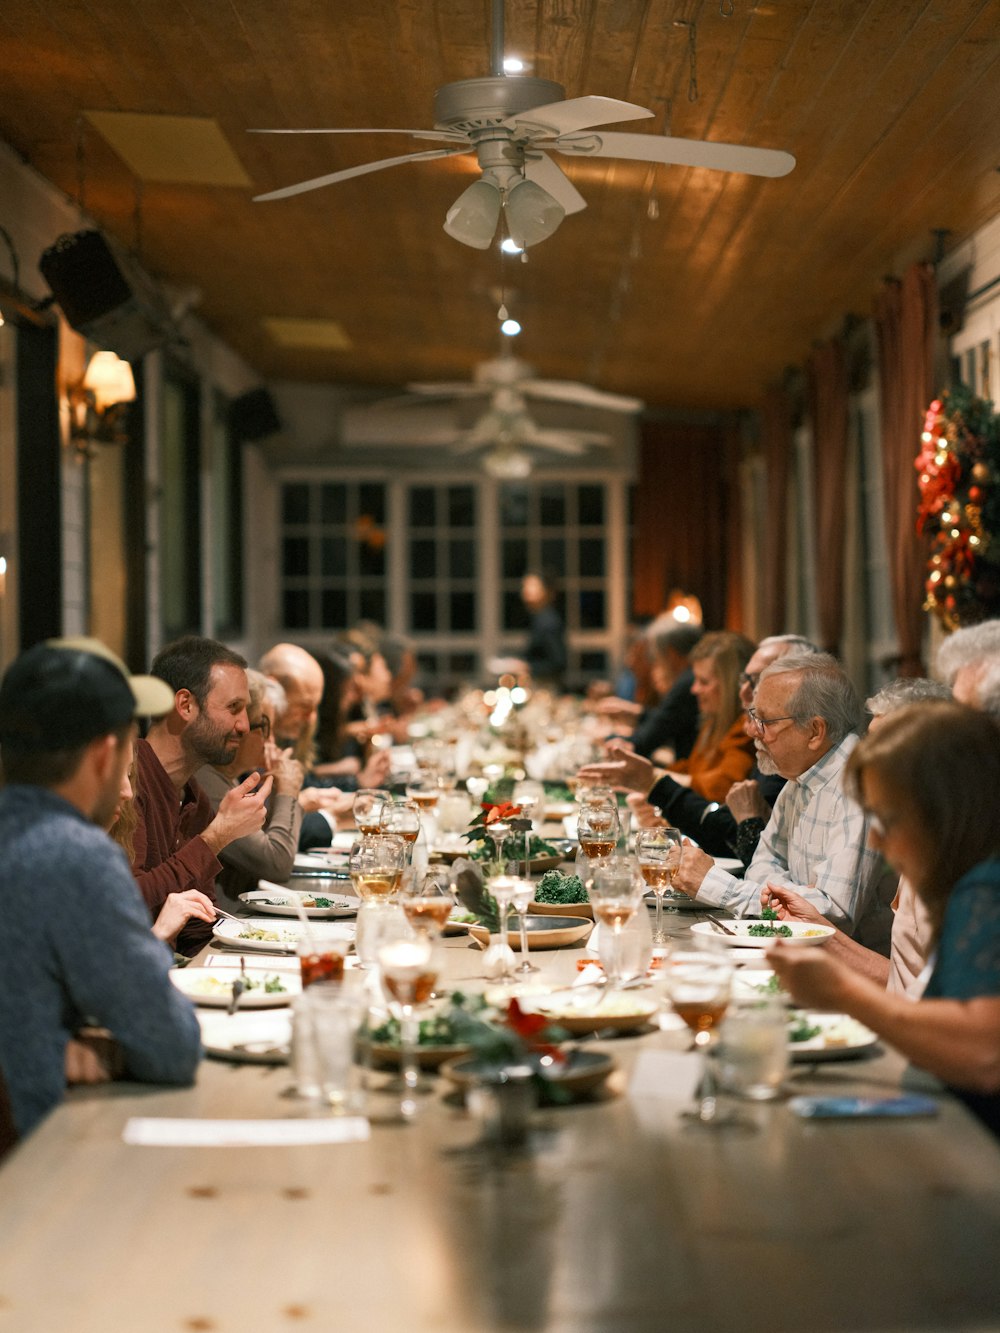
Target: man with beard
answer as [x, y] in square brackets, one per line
[178, 839]
[76, 947]
[805, 720]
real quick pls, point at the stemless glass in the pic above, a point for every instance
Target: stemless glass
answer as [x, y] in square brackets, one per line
[698, 984]
[428, 902]
[368, 803]
[658, 852]
[408, 977]
[615, 891]
[402, 818]
[523, 893]
[376, 866]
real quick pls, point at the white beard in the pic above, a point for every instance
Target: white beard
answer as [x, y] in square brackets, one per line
[765, 763]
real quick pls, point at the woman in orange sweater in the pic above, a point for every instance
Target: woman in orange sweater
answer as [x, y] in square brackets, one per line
[723, 753]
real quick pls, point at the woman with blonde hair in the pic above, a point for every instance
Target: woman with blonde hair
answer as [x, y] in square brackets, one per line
[723, 753]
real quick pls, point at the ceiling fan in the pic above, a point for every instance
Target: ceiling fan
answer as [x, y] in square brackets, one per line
[512, 124]
[505, 429]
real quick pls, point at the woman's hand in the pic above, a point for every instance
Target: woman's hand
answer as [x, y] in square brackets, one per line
[812, 978]
[178, 910]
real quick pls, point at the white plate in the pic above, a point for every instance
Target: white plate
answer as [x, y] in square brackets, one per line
[227, 932]
[258, 901]
[213, 987]
[750, 983]
[261, 1038]
[803, 932]
[840, 1038]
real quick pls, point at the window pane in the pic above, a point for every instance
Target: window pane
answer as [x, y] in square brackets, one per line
[333, 504]
[514, 506]
[514, 614]
[295, 608]
[423, 559]
[591, 500]
[333, 556]
[295, 559]
[554, 556]
[295, 504]
[592, 608]
[463, 611]
[371, 501]
[462, 559]
[333, 609]
[423, 611]
[594, 662]
[371, 557]
[515, 557]
[461, 506]
[422, 507]
[552, 506]
[592, 557]
[371, 605]
[462, 664]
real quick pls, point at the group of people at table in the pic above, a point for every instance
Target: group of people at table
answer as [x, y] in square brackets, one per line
[752, 751]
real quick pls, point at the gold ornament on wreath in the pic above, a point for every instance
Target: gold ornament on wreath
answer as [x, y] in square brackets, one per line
[958, 477]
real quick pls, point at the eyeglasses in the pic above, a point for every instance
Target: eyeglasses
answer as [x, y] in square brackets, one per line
[762, 723]
[747, 679]
[880, 825]
[263, 725]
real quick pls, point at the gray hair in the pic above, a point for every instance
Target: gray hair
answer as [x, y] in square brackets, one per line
[789, 643]
[265, 689]
[825, 691]
[988, 689]
[665, 633]
[905, 690]
[967, 647]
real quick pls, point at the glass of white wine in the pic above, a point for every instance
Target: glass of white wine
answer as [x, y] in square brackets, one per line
[408, 977]
[615, 891]
[698, 983]
[428, 901]
[368, 803]
[402, 818]
[376, 866]
[658, 851]
[598, 830]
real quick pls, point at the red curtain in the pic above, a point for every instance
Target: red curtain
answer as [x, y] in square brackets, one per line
[828, 408]
[906, 325]
[682, 518]
[776, 441]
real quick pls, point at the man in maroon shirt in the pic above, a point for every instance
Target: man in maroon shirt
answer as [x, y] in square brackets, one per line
[178, 838]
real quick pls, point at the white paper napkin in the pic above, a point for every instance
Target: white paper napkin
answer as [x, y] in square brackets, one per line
[148, 1132]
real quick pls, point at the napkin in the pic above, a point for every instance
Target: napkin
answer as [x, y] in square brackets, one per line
[147, 1132]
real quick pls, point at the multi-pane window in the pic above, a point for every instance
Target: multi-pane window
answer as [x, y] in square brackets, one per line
[443, 560]
[333, 554]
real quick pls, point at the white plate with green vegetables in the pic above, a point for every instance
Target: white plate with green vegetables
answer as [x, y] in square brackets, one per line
[818, 1036]
[213, 986]
[759, 934]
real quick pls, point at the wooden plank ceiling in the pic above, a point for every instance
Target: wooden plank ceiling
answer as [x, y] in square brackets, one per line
[685, 287]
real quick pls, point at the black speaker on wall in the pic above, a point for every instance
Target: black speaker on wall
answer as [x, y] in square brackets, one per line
[105, 296]
[253, 416]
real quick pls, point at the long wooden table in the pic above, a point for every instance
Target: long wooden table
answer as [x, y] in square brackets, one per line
[619, 1216]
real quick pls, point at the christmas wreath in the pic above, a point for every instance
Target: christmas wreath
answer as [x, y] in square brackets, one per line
[958, 476]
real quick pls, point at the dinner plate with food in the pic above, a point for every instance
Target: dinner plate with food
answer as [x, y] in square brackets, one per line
[748, 934]
[585, 1009]
[814, 1037]
[213, 986]
[275, 900]
[265, 935]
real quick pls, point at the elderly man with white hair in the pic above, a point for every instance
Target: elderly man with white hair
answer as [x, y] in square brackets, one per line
[969, 662]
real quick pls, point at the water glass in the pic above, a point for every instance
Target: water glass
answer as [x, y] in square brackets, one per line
[325, 1023]
[752, 1053]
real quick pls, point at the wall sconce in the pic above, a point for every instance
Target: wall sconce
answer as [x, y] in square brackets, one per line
[98, 405]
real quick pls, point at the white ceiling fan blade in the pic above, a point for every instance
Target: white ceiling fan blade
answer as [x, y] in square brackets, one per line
[562, 391]
[366, 434]
[681, 152]
[446, 389]
[319, 181]
[578, 113]
[550, 176]
[439, 136]
[566, 441]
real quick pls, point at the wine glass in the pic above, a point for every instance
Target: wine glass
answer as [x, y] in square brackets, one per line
[615, 891]
[408, 977]
[402, 818]
[376, 866]
[503, 888]
[597, 830]
[658, 852]
[428, 902]
[521, 898]
[422, 788]
[594, 793]
[497, 832]
[698, 985]
[477, 788]
[368, 803]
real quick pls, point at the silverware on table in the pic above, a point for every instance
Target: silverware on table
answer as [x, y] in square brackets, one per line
[720, 925]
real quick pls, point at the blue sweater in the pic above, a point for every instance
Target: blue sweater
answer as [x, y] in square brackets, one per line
[76, 947]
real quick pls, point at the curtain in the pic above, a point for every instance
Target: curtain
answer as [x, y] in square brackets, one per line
[828, 408]
[682, 519]
[906, 324]
[776, 440]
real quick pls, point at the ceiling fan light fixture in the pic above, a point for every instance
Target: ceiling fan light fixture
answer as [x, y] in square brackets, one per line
[473, 217]
[532, 214]
[507, 464]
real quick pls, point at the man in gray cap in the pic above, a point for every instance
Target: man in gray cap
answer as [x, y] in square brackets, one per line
[76, 948]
